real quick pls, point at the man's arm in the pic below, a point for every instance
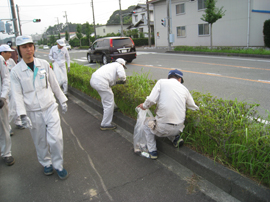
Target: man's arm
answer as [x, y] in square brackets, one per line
[51, 55]
[67, 58]
[190, 103]
[4, 73]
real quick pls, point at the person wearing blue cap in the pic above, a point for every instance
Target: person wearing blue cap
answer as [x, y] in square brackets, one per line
[172, 99]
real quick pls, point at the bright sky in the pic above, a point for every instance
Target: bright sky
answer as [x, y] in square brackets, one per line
[52, 11]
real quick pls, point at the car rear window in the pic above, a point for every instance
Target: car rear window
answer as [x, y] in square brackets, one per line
[122, 42]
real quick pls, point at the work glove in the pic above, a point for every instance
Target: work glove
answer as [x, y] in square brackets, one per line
[120, 82]
[64, 108]
[68, 69]
[2, 102]
[26, 122]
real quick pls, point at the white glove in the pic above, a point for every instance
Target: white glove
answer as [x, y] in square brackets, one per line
[68, 69]
[26, 122]
[64, 108]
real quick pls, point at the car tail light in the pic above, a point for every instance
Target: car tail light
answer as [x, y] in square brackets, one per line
[132, 41]
[111, 43]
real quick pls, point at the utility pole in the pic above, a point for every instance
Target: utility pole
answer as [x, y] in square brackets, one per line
[14, 19]
[65, 16]
[121, 21]
[19, 21]
[169, 19]
[148, 24]
[94, 19]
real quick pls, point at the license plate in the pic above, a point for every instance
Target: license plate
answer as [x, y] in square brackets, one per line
[124, 51]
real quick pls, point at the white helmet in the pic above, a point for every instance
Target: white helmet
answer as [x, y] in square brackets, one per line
[21, 40]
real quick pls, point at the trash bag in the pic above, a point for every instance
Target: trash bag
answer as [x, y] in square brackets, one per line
[12, 114]
[59, 73]
[139, 139]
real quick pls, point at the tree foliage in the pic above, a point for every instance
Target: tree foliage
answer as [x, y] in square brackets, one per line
[212, 13]
[79, 33]
[126, 14]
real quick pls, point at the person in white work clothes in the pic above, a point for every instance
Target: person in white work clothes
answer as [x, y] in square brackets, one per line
[172, 99]
[33, 85]
[102, 80]
[59, 56]
[6, 51]
[5, 141]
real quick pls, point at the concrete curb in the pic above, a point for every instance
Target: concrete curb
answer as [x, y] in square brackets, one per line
[229, 181]
[220, 54]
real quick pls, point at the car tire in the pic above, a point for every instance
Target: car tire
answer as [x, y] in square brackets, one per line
[104, 59]
[129, 61]
[89, 58]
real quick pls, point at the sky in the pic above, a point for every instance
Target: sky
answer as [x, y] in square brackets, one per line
[52, 11]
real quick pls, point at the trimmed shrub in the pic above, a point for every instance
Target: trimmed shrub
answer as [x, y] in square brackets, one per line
[266, 33]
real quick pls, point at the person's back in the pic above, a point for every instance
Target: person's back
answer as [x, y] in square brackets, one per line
[172, 101]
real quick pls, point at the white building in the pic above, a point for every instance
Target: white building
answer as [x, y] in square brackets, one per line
[139, 19]
[103, 30]
[242, 24]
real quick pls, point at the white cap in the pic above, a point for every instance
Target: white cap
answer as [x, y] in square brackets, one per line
[122, 62]
[61, 42]
[5, 47]
[21, 40]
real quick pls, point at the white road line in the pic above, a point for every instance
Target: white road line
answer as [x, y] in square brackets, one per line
[264, 80]
[213, 73]
[80, 60]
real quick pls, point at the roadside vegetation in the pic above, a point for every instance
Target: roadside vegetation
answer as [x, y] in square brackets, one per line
[229, 131]
[223, 49]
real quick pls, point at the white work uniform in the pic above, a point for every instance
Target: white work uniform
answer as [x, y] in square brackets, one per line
[5, 141]
[12, 111]
[102, 80]
[171, 98]
[34, 95]
[60, 56]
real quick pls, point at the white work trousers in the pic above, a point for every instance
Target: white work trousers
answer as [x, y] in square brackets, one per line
[47, 136]
[160, 130]
[107, 99]
[60, 72]
[5, 141]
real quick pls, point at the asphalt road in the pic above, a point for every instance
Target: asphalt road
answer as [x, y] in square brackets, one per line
[244, 79]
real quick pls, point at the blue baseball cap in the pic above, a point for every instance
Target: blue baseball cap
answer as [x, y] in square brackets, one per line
[177, 73]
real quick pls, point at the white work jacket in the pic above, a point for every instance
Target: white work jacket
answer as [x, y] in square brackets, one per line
[10, 64]
[59, 55]
[4, 79]
[171, 98]
[33, 91]
[110, 73]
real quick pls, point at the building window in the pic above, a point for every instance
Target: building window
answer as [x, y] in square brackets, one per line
[140, 29]
[143, 16]
[136, 18]
[201, 4]
[181, 31]
[104, 30]
[203, 29]
[180, 9]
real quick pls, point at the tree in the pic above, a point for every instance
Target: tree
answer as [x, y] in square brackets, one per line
[88, 32]
[52, 40]
[212, 14]
[59, 35]
[79, 33]
[67, 36]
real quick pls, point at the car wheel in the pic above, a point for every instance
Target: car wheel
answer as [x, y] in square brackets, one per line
[129, 61]
[89, 58]
[104, 59]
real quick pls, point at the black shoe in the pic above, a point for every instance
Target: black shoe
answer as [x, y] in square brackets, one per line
[178, 142]
[9, 160]
[111, 127]
[20, 127]
[66, 95]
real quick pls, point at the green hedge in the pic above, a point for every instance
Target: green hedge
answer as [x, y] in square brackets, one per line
[143, 41]
[221, 129]
[266, 33]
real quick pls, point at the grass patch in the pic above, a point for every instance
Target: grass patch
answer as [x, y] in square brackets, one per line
[256, 51]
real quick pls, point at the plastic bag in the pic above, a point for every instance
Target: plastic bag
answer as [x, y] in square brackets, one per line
[139, 139]
[59, 73]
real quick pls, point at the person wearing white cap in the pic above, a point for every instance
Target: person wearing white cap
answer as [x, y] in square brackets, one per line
[6, 52]
[59, 56]
[172, 99]
[5, 141]
[102, 80]
[33, 85]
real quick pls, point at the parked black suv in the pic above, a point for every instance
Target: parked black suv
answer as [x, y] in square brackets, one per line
[110, 48]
